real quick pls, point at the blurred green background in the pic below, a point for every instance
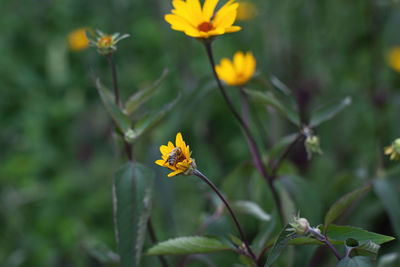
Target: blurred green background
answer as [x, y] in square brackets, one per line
[58, 154]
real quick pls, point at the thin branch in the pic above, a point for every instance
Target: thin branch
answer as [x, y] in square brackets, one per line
[213, 187]
[250, 139]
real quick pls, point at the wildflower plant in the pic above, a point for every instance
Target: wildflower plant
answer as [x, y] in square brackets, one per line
[132, 184]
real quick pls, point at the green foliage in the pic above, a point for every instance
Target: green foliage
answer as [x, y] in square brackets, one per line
[132, 205]
[328, 111]
[188, 245]
[280, 243]
[358, 261]
[344, 202]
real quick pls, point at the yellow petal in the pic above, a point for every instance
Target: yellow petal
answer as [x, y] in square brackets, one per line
[226, 16]
[208, 9]
[160, 162]
[171, 145]
[232, 29]
[174, 173]
[164, 150]
[250, 65]
[177, 22]
[179, 140]
[238, 62]
[195, 7]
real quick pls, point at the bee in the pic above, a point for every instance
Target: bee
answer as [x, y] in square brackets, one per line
[174, 155]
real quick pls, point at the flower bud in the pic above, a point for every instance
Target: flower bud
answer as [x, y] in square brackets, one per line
[299, 226]
[312, 145]
[130, 136]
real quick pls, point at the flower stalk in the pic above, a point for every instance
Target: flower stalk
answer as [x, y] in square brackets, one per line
[252, 144]
[128, 150]
[213, 187]
[317, 234]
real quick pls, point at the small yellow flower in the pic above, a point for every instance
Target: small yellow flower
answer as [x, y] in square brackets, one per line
[177, 158]
[393, 150]
[239, 71]
[77, 40]
[106, 43]
[393, 58]
[188, 17]
[246, 11]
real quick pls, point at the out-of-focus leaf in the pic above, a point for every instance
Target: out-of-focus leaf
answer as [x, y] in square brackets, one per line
[278, 84]
[151, 118]
[251, 208]
[342, 233]
[280, 243]
[143, 219]
[358, 261]
[288, 206]
[130, 191]
[140, 97]
[328, 111]
[102, 253]
[306, 197]
[389, 260]
[342, 203]
[188, 245]
[118, 116]
[268, 98]
[369, 249]
[390, 199]
[281, 144]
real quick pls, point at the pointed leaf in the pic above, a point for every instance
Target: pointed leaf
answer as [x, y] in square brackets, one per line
[251, 208]
[342, 233]
[390, 199]
[130, 190]
[140, 97]
[151, 118]
[342, 203]
[358, 261]
[269, 99]
[118, 116]
[328, 111]
[188, 245]
[280, 243]
[278, 84]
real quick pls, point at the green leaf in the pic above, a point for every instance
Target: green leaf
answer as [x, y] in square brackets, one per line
[268, 98]
[358, 261]
[101, 252]
[368, 248]
[389, 260]
[251, 208]
[281, 145]
[342, 203]
[389, 196]
[130, 191]
[328, 111]
[141, 96]
[280, 243]
[151, 119]
[188, 245]
[342, 233]
[118, 116]
[278, 84]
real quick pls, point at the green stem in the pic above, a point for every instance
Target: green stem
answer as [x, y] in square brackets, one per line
[250, 139]
[129, 154]
[213, 187]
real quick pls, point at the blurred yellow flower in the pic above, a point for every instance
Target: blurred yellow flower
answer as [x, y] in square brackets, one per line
[246, 11]
[393, 150]
[188, 17]
[239, 71]
[77, 40]
[393, 58]
[177, 158]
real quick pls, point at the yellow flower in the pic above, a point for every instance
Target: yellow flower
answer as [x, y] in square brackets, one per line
[246, 11]
[239, 71]
[188, 17]
[77, 40]
[393, 58]
[177, 158]
[393, 150]
[106, 43]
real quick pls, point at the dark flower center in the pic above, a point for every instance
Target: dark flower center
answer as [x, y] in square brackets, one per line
[205, 26]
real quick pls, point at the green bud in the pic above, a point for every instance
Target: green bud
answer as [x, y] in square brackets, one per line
[130, 136]
[312, 145]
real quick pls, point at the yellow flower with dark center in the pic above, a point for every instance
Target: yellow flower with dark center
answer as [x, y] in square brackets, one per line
[246, 11]
[393, 150]
[393, 58]
[236, 72]
[77, 40]
[177, 158]
[189, 17]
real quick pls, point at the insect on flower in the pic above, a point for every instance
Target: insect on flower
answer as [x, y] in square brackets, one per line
[174, 156]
